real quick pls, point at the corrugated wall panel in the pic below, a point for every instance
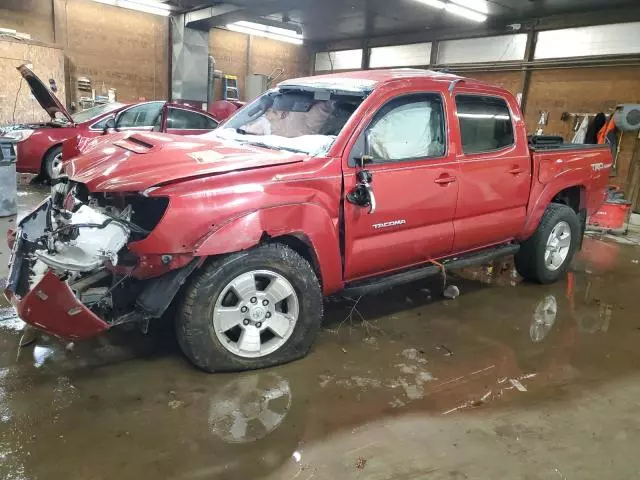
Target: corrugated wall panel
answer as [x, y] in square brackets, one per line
[340, 60]
[400, 55]
[615, 39]
[488, 49]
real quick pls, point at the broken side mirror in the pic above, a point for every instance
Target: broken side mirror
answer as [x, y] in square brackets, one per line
[109, 125]
[362, 195]
[367, 156]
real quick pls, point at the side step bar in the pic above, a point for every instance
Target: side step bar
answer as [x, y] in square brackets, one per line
[364, 287]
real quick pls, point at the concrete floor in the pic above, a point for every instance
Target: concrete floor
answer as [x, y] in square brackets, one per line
[489, 385]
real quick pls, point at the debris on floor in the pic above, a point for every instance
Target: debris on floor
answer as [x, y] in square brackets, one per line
[444, 350]
[360, 463]
[451, 292]
[173, 404]
[518, 385]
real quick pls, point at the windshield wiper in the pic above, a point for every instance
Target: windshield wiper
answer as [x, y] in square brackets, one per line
[242, 131]
[273, 147]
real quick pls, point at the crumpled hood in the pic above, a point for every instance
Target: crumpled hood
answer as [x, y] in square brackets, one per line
[125, 162]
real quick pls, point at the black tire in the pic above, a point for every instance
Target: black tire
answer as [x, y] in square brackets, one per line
[194, 321]
[530, 261]
[48, 161]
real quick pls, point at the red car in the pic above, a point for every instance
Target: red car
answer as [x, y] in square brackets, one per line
[39, 146]
[349, 182]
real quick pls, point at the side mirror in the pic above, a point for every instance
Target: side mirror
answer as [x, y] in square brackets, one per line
[367, 156]
[111, 124]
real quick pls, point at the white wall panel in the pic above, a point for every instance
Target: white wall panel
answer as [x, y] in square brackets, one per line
[616, 39]
[488, 49]
[400, 55]
[340, 60]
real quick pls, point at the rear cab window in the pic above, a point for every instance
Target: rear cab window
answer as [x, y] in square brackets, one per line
[485, 123]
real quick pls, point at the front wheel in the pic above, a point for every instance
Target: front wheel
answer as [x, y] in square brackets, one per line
[546, 256]
[251, 309]
[52, 163]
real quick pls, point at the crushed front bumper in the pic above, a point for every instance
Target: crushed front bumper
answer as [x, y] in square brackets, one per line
[50, 305]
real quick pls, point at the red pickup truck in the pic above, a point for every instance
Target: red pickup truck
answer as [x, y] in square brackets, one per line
[349, 182]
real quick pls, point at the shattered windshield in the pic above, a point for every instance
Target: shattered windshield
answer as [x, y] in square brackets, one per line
[294, 120]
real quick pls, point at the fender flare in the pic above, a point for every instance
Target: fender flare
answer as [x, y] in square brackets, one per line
[307, 220]
[537, 210]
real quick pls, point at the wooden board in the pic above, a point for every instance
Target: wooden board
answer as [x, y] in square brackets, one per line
[48, 62]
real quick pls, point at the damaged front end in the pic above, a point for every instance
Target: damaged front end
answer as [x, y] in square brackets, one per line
[71, 273]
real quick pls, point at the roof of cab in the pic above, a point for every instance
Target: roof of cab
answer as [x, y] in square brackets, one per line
[368, 79]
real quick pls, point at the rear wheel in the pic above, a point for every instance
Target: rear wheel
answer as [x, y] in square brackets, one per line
[546, 256]
[52, 163]
[250, 310]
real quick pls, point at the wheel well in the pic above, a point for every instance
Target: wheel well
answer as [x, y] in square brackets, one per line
[300, 244]
[572, 197]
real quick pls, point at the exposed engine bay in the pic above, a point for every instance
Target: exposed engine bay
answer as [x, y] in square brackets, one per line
[80, 239]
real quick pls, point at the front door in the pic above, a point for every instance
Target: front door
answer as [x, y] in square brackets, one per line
[495, 173]
[414, 181]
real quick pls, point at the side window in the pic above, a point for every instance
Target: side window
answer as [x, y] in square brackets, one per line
[186, 120]
[485, 123]
[145, 115]
[210, 123]
[100, 125]
[409, 127]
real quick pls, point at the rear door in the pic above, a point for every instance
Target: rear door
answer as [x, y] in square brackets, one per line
[495, 172]
[187, 122]
[414, 183]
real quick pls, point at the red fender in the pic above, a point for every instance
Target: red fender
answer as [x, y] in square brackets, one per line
[538, 208]
[307, 220]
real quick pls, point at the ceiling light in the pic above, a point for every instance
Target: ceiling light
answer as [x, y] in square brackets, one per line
[477, 5]
[148, 6]
[465, 12]
[433, 3]
[267, 31]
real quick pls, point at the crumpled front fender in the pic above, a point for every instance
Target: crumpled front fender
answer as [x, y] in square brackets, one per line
[310, 220]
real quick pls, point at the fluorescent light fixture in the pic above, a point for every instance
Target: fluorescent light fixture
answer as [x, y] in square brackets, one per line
[433, 3]
[148, 6]
[477, 5]
[465, 12]
[267, 31]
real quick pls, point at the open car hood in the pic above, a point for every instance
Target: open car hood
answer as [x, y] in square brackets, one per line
[128, 163]
[43, 95]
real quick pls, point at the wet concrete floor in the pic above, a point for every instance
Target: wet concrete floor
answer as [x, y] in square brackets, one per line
[509, 380]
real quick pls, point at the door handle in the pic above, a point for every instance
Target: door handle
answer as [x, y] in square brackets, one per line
[516, 171]
[444, 180]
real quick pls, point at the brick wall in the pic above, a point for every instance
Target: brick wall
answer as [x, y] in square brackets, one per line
[117, 48]
[584, 90]
[230, 52]
[114, 47]
[508, 80]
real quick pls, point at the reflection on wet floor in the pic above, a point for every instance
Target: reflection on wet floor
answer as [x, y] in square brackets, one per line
[129, 406]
